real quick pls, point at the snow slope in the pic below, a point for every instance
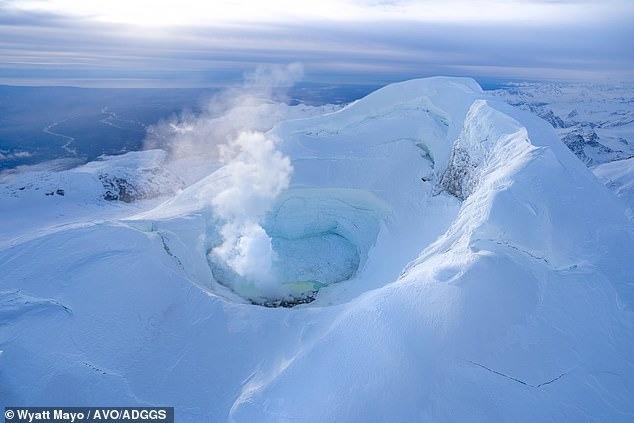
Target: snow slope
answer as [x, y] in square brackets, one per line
[618, 176]
[463, 266]
[37, 199]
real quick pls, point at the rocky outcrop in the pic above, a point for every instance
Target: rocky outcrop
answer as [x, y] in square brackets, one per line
[480, 147]
[121, 189]
[581, 143]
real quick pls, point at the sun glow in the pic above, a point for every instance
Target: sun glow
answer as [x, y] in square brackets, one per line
[196, 12]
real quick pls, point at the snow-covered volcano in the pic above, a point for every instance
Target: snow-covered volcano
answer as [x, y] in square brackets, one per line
[446, 256]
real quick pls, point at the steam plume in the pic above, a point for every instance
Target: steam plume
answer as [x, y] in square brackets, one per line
[230, 133]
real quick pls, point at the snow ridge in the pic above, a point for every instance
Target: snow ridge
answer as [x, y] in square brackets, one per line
[462, 263]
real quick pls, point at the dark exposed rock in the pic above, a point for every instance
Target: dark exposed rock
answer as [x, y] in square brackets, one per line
[150, 183]
[575, 142]
[578, 142]
[286, 302]
[552, 118]
[119, 189]
[456, 178]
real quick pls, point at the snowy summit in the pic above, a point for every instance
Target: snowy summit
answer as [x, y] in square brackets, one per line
[426, 253]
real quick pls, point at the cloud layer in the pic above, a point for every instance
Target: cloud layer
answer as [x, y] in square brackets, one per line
[371, 42]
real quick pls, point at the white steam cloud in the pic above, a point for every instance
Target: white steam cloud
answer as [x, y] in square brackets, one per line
[230, 134]
[257, 174]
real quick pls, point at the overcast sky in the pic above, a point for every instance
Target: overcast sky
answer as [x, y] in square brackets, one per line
[185, 43]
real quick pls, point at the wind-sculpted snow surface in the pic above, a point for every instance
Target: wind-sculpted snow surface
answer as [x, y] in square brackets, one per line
[448, 259]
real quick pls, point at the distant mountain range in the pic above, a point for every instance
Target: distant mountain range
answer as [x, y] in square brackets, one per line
[595, 121]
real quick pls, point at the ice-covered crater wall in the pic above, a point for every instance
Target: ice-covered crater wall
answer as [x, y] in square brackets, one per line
[372, 186]
[319, 237]
[362, 177]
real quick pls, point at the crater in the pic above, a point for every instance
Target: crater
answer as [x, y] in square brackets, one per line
[320, 237]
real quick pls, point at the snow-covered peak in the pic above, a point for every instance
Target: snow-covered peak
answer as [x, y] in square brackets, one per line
[446, 256]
